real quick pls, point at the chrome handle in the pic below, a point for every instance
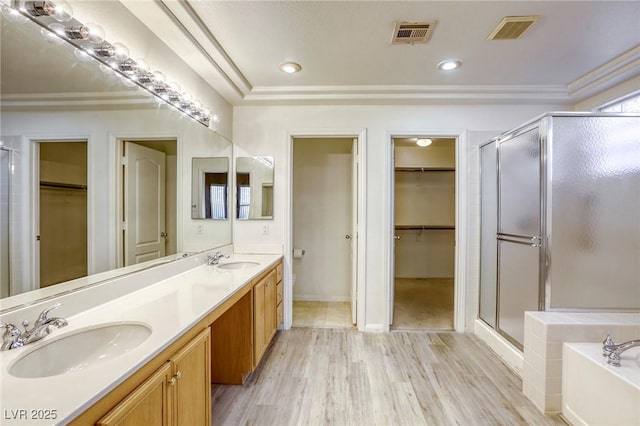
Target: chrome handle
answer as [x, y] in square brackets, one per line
[45, 314]
[396, 237]
[348, 236]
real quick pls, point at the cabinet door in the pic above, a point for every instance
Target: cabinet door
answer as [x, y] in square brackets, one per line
[149, 404]
[192, 373]
[259, 337]
[270, 308]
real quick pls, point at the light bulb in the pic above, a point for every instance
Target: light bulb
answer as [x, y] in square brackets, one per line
[290, 67]
[128, 66]
[58, 28]
[121, 52]
[90, 31]
[58, 10]
[142, 64]
[159, 77]
[449, 65]
[424, 142]
[50, 36]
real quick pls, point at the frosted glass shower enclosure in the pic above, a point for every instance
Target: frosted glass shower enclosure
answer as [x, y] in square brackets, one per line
[566, 206]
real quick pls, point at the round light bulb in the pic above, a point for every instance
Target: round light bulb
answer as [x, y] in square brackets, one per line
[95, 33]
[424, 142]
[449, 65]
[59, 10]
[121, 52]
[290, 67]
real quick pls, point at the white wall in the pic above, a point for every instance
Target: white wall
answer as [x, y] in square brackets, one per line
[266, 130]
[321, 218]
[101, 129]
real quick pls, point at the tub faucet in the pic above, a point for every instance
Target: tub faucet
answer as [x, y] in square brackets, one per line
[215, 259]
[614, 356]
[13, 338]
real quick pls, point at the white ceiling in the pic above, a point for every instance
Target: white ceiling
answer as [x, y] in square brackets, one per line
[576, 49]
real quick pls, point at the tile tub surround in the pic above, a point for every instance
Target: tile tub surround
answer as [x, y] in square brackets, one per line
[595, 393]
[170, 306]
[545, 333]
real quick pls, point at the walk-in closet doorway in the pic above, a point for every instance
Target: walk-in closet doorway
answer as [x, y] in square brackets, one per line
[424, 218]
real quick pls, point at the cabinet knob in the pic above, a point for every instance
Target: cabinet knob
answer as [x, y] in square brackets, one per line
[172, 382]
[178, 374]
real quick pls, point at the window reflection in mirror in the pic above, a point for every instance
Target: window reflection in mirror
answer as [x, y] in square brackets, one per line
[209, 188]
[254, 188]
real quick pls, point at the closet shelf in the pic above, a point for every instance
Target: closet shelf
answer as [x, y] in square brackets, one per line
[425, 169]
[423, 227]
[45, 184]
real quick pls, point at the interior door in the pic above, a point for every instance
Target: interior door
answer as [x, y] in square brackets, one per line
[144, 204]
[354, 231]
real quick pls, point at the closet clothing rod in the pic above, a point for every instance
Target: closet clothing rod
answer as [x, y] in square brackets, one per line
[62, 185]
[425, 169]
[423, 227]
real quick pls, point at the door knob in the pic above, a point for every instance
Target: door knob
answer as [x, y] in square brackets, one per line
[348, 236]
[163, 235]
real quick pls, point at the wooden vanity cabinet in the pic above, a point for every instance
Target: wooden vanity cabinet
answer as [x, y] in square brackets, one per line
[178, 393]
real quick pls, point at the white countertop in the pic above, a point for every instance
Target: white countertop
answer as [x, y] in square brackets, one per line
[170, 307]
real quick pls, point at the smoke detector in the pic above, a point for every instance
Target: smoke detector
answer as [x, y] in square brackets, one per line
[412, 32]
[512, 27]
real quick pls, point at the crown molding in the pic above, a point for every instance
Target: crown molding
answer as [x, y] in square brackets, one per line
[619, 69]
[403, 94]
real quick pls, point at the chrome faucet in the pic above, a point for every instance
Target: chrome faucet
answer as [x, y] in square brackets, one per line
[13, 338]
[215, 259]
[614, 356]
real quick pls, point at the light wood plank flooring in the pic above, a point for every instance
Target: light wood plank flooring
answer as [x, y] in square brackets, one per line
[322, 314]
[345, 377]
[424, 303]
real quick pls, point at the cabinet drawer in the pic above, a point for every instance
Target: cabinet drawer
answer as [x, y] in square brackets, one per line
[279, 273]
[279, 293]
[280, 313]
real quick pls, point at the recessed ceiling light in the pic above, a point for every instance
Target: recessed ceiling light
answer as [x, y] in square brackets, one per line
[424, 142]
[290, 67]
[449, 65]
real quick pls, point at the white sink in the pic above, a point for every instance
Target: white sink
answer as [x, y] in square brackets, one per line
[81, 349]
[238, 265]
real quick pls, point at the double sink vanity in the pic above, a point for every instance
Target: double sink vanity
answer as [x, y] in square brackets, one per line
[148, 356]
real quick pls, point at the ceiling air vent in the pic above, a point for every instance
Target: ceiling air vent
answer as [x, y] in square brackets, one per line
[412, 32]
[512, 27]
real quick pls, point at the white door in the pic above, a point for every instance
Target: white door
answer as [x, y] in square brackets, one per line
[144, 204]
[354, 231]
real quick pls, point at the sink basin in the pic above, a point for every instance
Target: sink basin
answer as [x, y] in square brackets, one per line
[238, 265]
[82, 349]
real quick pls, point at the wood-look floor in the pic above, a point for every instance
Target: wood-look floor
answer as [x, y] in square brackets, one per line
[423, 304]
[345, 377]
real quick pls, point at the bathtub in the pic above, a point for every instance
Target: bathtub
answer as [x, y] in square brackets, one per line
[595, 393]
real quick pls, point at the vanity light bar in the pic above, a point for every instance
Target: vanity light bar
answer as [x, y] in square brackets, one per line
[56, 17]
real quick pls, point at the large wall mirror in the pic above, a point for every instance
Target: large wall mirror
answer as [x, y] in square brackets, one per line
[78, 147]
[210, 188]
[254, 188]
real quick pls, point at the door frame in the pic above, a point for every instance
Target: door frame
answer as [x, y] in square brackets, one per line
[31, 145]
[461, 238]
[116, 194]
[360, 135]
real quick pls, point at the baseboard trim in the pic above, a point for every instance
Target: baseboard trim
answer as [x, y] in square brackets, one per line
[507, 352]
[374, 328]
